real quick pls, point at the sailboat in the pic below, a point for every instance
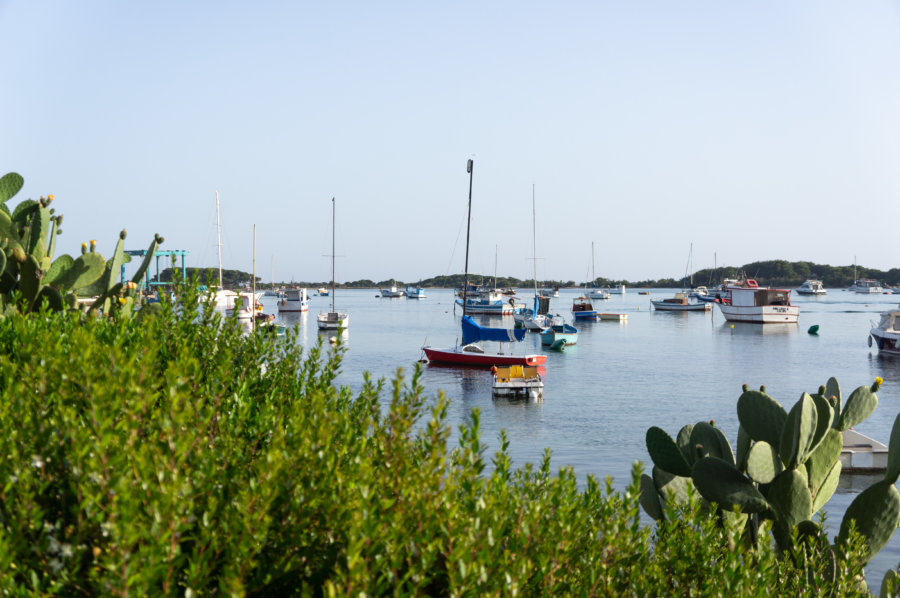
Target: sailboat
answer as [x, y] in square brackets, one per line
[230, 300]
[683, 301]
[470, 351]
[595, 292]
[333, 320]
[534, 319]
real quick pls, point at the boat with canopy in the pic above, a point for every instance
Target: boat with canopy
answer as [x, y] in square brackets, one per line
[471, 351]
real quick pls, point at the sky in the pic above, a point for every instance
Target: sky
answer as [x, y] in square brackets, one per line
[748, 131]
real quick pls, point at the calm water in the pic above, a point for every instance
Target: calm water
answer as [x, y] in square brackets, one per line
[660, 368]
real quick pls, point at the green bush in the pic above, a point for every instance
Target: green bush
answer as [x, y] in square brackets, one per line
[172, 454]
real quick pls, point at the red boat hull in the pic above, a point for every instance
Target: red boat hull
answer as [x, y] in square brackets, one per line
[455, 356]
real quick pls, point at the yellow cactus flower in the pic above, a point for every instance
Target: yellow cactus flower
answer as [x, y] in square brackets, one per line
[877, 384]
[93, 242]
[84, 245]
[50, 197]
[121, 300]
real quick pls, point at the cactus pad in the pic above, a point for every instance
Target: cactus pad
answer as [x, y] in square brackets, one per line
[860, 405]
[893, 465]
[671, 486]
[761, 416]
[798, 432]
[720, 482]
[665, 453]
[763, 463]
[649, 498]
[10, 184]
[876, 512]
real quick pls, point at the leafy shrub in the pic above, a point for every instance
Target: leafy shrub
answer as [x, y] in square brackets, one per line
[172, 454]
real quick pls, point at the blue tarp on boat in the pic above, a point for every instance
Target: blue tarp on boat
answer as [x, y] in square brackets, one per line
[473, 332]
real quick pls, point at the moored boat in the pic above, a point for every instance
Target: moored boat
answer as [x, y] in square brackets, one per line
[582, 309]
[393, 291]
[332, 320]
[861, 454]
[811, 287]
[762, 305]
[294, 300]
[680, 302]
[516, 381]
[558, 331]
[886, 334]
[415, 292]
[470, 351]
[866, 286]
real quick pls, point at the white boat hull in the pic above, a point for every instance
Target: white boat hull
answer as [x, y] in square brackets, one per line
[861, 454]
[333, 320]
[769, 314]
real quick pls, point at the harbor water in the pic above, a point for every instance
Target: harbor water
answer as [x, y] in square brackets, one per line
[663, 369]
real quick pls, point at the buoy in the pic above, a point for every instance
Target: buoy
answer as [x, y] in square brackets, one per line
[814, 329]
[732, 326]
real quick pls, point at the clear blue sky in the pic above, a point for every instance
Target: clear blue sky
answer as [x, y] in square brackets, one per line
[757, 131]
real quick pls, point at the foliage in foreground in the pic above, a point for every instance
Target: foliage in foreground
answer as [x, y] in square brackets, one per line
[177, 456]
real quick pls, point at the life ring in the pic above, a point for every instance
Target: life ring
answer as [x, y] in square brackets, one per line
[751, 283]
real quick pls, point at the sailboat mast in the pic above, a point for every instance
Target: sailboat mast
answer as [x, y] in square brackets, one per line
[470, 166]
[332, 254]
[253, 284]
[534, 238]
[691, 264]
[219, 238]
[593, 272]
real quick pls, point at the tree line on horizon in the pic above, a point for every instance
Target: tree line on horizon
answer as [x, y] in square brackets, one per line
[766, 273]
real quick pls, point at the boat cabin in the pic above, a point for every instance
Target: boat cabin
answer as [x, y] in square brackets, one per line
[757, 297]
[890, 321]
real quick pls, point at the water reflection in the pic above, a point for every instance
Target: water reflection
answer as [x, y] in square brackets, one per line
[750, 329]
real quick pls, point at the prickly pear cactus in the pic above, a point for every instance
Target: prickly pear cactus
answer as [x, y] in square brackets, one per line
[786, 468]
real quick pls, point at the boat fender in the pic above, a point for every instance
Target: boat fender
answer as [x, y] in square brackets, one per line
[870, 340]
[512, 301]
[752, 283]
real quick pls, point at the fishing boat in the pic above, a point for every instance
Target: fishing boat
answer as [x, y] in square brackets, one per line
[811, 287]
[471, 351]
[415, 292]
[559, 331]
[886, 334]
[762, 305]
[333, 320]
[680, 302]
[322, 291]
[534, 319]
[518, 382]
[293, 300]
[583, 309]
[392, 292]
[595, 292]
